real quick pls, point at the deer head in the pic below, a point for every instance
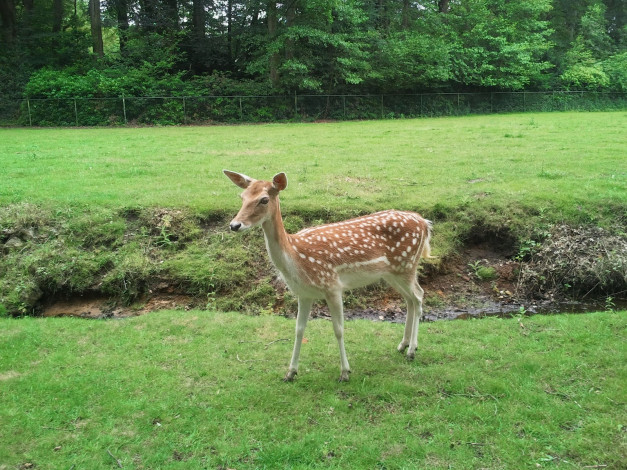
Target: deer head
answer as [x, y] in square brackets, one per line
[259, 199]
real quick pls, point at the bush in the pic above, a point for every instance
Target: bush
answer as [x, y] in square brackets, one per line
[580, 261]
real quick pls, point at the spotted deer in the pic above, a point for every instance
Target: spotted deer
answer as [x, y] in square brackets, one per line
[324, 261]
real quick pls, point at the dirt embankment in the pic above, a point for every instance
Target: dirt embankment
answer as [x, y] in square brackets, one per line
[571, 270]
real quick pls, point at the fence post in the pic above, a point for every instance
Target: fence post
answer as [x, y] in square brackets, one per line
[30, 119]
[75, 112]
[344, 105]
[295, 105]
[381, 106]
[124, 108]
[241, 110]
[184, 113]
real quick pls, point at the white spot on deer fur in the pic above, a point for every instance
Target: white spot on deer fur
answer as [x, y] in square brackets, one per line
[312, 260]
[414, 241]
[302, 255]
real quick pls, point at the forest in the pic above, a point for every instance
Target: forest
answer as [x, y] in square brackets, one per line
[110, 48]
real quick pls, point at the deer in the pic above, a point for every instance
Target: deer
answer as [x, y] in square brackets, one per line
[322, 262]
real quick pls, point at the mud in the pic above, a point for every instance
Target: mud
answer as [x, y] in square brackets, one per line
[454, 291]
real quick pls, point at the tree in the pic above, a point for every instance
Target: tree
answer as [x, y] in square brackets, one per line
[9, 21]
[96, 27]
[498, 43]
[583, 61]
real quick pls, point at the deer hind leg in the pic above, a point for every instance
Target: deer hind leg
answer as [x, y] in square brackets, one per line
[418, 296]
[304, 307]
[336, 308]
[413, 294]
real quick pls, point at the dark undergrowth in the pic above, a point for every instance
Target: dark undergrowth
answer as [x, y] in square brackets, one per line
[128, 254]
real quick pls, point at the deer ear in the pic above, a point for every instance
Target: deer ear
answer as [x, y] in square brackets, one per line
[240, 180]
[279, 182]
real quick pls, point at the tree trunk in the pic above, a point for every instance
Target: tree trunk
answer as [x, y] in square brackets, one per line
[273, 25]
[9, 21]
[290, 18]
[147, 14]
[121, 11]
[171, 15]
[96, 27]
[405, 15]
[198, 19]
[57, 15]
[229, 27]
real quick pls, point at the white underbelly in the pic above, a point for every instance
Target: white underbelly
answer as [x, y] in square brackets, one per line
[354, 280]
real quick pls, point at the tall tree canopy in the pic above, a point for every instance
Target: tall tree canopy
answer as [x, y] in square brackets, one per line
[328, 46]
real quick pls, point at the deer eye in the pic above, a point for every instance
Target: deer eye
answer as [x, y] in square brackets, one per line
[264, 200]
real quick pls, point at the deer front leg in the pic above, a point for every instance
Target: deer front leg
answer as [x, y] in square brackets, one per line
[304, 307]
[336, 308]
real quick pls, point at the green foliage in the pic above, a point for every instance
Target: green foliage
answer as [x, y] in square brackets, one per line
[615, 67]
[411, 60]
[483, 273]
[300, 46]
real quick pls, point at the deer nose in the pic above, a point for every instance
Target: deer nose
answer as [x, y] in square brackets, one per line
[235, 226]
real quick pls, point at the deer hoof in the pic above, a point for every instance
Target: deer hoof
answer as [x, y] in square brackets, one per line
[411, 355]
[344, 376]
[289, 377]
[401, 347]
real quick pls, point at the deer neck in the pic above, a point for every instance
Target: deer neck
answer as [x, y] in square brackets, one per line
[277, 241]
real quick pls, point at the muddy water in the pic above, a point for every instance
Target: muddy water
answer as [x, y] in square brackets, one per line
[489, 309]
[98, 307]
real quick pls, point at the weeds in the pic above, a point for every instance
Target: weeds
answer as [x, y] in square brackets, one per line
[578, 261]
[481, 272]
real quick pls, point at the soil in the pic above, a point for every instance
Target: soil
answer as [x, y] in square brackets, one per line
[454, 291]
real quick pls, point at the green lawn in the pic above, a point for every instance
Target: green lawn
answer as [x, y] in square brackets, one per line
[564, 163]
[203, 390]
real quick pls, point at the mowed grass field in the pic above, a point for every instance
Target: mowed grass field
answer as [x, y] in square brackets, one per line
[194, 390]
[563, 163]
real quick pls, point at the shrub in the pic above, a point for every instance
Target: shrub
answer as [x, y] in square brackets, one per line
[579, 261]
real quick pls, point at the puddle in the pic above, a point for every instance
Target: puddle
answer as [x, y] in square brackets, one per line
[98, 307]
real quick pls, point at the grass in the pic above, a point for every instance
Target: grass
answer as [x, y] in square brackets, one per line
[570, 165]
[188, 390]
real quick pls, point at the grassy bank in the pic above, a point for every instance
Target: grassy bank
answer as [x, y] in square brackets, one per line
[203, 390]
[564, 163]
[121, 212]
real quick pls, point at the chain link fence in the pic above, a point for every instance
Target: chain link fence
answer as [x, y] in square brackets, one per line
[174, 110]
